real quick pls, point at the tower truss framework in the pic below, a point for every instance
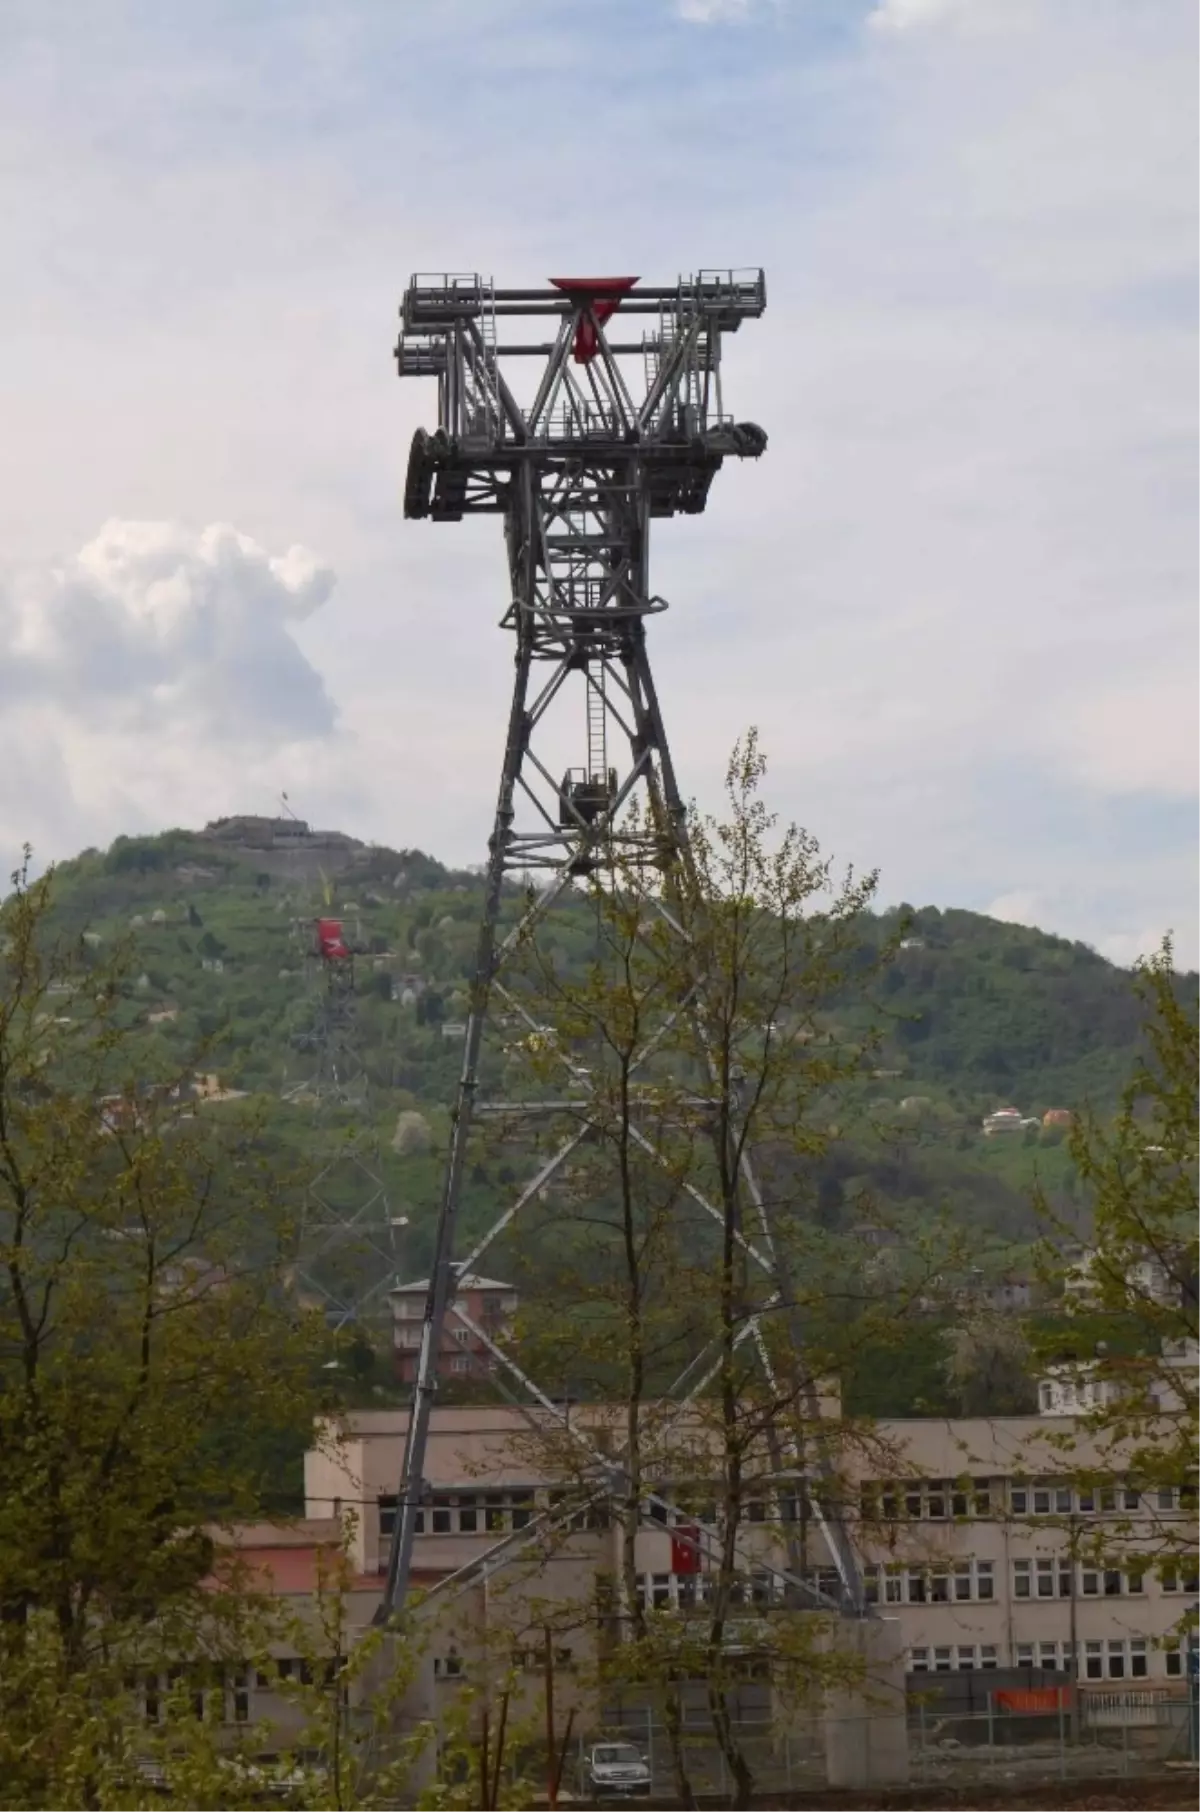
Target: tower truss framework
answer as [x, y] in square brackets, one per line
[346, 1256]
[614, 432]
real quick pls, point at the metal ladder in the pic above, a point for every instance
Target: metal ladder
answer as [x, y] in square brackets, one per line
[597, 724]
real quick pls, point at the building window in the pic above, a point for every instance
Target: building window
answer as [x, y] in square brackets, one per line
[1173, 1662]
[675, 1591]
[461, 1336]
[1018, 1499]
[239, 1694]
[1022, 1579]
[934, 1500]
[1089, 1582]
[447, 1667]
[1116, 1659]
[461, 1362]
[1053, 1578]
[963, 1658]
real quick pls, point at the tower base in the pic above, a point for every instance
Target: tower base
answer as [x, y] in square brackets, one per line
[866, 1724]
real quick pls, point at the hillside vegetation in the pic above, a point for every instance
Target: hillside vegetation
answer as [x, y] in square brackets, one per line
[975, 1015]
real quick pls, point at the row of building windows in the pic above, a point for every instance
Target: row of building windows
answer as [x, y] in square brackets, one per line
[473, 1512]
[1116, 1658]
[1057, 1578]
[925, 1500]
[974, 1581]
[412, 1336]
[412, 1307]
[960, 1658]
[945, 1500]
[220, 1695]
[685, 1591]
[464, 1513]
[965, 1581]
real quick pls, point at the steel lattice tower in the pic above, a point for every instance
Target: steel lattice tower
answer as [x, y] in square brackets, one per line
[346, 1254]
[617, 433]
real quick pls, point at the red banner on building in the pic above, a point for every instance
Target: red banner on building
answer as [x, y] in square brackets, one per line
[1032, 1699]
[685, 1549]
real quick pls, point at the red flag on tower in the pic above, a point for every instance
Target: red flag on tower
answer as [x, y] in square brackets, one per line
[331, 945]
[600, 298]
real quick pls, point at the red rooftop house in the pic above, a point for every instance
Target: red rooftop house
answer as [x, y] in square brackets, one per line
[478, 1303]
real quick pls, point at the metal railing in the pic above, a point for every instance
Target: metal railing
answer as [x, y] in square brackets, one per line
[1007, 1748]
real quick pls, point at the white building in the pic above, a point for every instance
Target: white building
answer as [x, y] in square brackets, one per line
[974, 1542]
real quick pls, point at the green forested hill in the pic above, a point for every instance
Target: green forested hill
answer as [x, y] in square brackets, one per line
[975, 1014]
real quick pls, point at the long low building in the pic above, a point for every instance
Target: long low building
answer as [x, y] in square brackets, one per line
[976, 1546]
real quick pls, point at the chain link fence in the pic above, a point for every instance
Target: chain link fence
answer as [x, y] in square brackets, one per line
[1014, 1740]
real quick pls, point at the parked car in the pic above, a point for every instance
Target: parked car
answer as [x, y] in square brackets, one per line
[616, 1771]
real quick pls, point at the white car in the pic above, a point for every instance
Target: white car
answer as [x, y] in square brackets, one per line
[616, 1771]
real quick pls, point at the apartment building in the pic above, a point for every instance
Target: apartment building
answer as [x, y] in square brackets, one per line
[976, 1547]
[480, 1306]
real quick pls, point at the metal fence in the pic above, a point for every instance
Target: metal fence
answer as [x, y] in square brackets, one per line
[1010, 1741]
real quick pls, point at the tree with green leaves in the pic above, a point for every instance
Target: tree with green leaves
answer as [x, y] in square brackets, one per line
[696, 1016]
[1123, 1340]
[147, 1349]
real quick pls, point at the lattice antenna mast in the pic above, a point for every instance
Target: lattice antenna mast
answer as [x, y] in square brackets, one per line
[614, 433]
[346, 1257]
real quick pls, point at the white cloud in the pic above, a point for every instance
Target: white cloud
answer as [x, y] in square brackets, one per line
[151, 673]
[153, 626]
[1021, 907]
[956, 594]
[712, 12]
[902, 16]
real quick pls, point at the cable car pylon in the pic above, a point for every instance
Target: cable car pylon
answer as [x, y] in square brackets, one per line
[615, 433]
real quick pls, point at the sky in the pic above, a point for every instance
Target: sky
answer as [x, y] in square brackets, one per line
[957, 596]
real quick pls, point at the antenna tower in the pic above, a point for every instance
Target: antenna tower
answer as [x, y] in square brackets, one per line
[616, 433]
[347, 1256]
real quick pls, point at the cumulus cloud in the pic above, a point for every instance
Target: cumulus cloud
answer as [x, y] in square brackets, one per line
[153, 678]
[153, 625]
